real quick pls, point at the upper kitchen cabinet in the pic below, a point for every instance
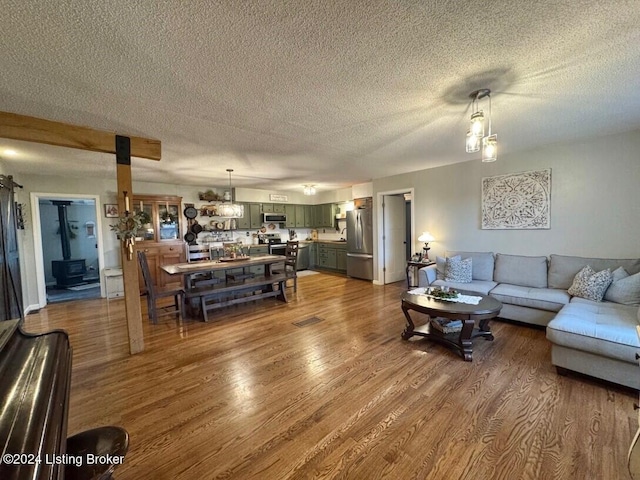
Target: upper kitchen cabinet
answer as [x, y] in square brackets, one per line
[291, 213]
[300, 211]
[273, 207]
[325, 215]
[309, 218]
[252, 217]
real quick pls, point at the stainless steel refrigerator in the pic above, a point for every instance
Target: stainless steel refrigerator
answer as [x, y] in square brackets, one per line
[360, 243]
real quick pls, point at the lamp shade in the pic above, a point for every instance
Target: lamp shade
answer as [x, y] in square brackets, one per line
[426, 237]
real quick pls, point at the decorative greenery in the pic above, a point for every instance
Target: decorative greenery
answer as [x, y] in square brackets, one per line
[441, 294]
[127, 227]
[144, 217]
[168, 217]
[209, 196]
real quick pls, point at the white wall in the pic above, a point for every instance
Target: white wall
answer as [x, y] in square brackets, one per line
[595, 203]
[595, 200]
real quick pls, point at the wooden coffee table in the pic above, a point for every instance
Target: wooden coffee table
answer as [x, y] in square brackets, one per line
[487, 309]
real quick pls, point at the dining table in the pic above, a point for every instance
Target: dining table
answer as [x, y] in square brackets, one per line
[227, 289]
[189, 269]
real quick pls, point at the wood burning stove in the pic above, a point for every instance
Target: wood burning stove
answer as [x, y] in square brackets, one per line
[67, 272]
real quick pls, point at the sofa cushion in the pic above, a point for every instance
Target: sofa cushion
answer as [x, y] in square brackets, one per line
[562, 268]
[589, 284]
[476, 286]
[521, 270]
[457, 270]
[483, 263]
[551, 299]
[440, 263]
[624, 288]
[606, 329]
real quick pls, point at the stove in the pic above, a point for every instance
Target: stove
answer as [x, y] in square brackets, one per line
[276, 245]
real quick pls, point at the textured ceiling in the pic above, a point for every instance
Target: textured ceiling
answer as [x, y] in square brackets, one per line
[333, 93]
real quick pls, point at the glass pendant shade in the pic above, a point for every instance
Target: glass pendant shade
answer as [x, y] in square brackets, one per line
[473, 143]
[490, 148]
[477, 124]
[309, 190]
[230, 210]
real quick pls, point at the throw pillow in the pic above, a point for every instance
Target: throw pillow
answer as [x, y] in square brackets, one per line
[624, 288]
[590, 285]
[458, 270]
[440, 261]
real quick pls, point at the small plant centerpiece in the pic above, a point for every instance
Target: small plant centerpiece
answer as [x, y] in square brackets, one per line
[127, 229]
[441, 294]
[231, 250]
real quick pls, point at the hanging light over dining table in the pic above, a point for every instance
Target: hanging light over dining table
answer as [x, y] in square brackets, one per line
[228, 209]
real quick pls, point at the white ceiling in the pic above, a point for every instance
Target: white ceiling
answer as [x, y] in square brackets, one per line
[328, 92]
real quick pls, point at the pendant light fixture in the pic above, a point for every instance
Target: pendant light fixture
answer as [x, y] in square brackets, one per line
[476, 134]
[309, 189]
[228, 209]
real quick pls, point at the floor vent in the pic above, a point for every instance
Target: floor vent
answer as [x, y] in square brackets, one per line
[308, 321]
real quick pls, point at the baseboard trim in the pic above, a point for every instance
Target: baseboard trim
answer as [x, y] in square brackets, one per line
[31, 308]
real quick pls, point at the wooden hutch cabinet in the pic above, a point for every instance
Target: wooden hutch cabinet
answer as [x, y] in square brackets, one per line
[160, 237]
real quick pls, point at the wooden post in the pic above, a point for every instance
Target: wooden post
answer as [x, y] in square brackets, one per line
[38, 130]
[129, 266]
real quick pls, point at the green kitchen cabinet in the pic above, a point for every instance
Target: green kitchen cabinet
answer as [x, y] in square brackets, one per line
[326, 256]
[244, 223]
[290, 212]
[331, 256]
[299, 216]
[255, 215]
[308, 216]
[258, 250]
[341, 259]
[324, 215]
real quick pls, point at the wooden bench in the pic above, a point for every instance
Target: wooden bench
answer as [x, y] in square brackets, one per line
[232, 293]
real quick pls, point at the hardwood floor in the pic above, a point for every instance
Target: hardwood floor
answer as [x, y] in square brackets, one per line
[251, 395]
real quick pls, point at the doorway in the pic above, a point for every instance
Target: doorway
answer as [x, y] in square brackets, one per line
[396, 214]
[68, 250]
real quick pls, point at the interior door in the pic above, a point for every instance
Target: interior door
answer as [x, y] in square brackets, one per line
[394, 219]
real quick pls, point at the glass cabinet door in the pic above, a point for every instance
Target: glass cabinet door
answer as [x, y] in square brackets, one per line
[146, 232]
[169, 221]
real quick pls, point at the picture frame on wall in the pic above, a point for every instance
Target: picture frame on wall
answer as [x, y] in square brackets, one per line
[111, 210]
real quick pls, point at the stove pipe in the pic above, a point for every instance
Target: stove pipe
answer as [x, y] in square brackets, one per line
[64, 227]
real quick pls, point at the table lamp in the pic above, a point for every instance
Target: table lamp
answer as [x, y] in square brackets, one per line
[426, 237]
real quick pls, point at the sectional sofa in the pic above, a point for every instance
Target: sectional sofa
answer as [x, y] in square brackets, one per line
[594, 338]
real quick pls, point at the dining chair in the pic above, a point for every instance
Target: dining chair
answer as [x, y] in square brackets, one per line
[201, 253]
[155, 293]
[290, 262]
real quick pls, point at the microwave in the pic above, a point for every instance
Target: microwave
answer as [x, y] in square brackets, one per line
[274, 218]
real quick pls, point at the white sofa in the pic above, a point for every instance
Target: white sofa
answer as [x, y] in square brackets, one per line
[595, 338]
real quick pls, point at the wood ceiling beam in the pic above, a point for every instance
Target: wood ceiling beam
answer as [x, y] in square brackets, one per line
[38, 130]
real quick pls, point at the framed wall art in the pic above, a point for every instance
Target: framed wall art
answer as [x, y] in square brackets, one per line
[517, 201]
[111, 210]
